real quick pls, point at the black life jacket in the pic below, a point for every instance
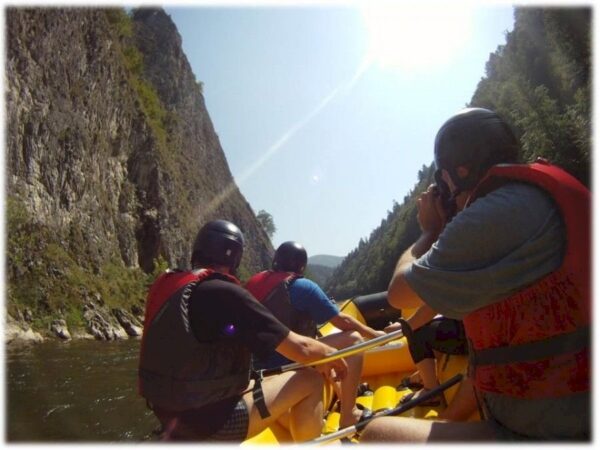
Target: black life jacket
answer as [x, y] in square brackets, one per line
[176, 371]
[272, 290]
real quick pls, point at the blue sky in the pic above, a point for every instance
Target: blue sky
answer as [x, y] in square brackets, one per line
[326, 113]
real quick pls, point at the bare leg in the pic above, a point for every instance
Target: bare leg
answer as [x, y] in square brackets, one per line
[427, 370]
[416, 377]
[284, 420]
[403, 429]
[463, 404]
[299, 392]
[349, 414]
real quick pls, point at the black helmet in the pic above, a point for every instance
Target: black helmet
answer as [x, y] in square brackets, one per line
[290, 257]
[477, 139]
[219, 242]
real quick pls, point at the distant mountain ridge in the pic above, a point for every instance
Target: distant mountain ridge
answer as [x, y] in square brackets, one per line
[321, 267]
[325, 260]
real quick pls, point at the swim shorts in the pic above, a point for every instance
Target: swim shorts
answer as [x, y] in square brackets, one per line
[235, 427]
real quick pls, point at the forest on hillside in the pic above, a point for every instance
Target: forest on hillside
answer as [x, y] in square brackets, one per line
[540, 82]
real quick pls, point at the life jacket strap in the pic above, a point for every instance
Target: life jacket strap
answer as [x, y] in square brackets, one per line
[406, 329]
[481, 405]
[258, 396]
[546, 348]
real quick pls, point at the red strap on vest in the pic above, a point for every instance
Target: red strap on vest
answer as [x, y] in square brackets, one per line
[164, 287]
[263, 283]
[172, 281]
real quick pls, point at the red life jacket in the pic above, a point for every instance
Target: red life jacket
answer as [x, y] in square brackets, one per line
[176, 371]
[271, 289]
[535, 343]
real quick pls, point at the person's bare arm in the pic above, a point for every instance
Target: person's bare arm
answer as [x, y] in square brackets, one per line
[421, 316]
[346, 322]
[400, 294]
[432, 220]
[303, 349]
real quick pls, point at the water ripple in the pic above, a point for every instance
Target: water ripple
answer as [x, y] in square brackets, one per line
[56, 408]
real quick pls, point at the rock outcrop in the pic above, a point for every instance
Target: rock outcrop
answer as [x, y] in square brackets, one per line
[60, 329]
[132, 326]
[15, 332]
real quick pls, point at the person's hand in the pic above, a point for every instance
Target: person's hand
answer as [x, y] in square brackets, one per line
[334, 370]
[431, 215]
[393, 327]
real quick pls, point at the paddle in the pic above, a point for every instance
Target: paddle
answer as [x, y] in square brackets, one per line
[349, 431]
[343, 353]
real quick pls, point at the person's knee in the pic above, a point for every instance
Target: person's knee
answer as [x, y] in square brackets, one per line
[342, 339]
[316, 380]
[349, 338]
[397, 429]
[355, 337]
[309, 379]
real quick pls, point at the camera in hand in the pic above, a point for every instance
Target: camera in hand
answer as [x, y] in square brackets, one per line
[443, 190]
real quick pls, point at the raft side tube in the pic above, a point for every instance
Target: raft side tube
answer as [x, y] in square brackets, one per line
[376, 310]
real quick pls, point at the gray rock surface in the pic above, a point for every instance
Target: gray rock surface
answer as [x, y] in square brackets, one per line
[16, 333]
[93, 168]
[130, 324]
[81, 152]
[100, 323]
[60, 329]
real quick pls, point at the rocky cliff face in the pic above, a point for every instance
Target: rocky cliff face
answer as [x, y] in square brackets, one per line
[112, 159]
[201, 176]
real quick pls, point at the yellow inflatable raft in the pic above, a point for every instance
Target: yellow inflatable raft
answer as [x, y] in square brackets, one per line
[384, 368]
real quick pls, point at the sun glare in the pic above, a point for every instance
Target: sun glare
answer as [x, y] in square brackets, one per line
[411, 37]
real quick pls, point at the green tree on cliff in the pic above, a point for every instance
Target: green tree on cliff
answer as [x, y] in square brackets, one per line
[266, 221]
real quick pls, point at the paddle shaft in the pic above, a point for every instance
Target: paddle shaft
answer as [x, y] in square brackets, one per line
[349, 431]
[343, 353]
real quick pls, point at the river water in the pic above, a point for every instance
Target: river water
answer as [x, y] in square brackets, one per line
[75, 391]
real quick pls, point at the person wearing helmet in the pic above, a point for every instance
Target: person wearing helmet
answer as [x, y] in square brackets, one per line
[301, 304]
[513, 265]
[200, 330]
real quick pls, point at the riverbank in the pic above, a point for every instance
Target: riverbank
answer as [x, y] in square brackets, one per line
[16, 333]
[99, 323]
[20, 333]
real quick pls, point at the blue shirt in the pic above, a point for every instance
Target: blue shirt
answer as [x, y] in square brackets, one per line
[307, 296]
